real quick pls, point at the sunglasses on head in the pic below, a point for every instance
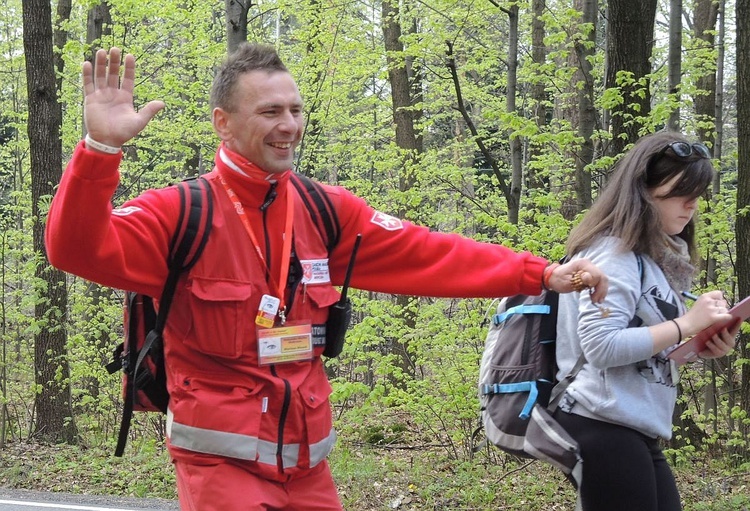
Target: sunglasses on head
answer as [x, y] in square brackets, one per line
[681, 150]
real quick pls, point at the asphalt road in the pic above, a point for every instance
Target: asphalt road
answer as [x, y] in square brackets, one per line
[24, 500]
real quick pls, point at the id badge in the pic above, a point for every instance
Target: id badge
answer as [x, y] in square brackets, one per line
[288, 343]
[267, 311]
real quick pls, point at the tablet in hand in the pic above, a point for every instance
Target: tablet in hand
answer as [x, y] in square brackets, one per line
[688, 351]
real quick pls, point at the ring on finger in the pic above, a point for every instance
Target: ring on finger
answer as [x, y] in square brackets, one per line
[577, 281]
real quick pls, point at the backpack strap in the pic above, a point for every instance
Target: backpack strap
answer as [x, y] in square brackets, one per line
[184, 252]
[497, 319]
[321, 208]
[194, 224]
[559, 390]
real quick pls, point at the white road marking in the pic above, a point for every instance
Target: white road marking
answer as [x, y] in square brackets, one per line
[60, 506]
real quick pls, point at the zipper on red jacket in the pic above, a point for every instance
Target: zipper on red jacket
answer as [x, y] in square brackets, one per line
[270, 197]
[295, 277]
[282, 420]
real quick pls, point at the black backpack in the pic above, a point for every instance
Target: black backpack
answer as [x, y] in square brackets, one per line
[141, 354]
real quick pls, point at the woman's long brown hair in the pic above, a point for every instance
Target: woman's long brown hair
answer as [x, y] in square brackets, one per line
[625, 208]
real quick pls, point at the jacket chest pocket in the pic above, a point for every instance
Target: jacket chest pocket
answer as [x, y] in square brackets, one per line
[313, 301]
[222, 316]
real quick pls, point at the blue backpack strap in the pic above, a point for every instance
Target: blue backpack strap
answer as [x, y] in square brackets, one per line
[520, 309]
[511, 388]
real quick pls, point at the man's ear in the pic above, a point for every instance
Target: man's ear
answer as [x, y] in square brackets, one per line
[220, 121]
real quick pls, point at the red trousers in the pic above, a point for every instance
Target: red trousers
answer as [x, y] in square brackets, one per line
[227, 487]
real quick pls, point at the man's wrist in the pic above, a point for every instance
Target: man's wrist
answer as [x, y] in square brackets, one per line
[547, 275]
[98, 146]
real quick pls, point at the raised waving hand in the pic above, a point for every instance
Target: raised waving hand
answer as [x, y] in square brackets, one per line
[108, 109]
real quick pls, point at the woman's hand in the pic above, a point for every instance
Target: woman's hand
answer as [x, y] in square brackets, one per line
[708, 309]
[722, 343]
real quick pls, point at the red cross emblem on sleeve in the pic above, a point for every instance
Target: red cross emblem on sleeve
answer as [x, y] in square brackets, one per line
[387, 222]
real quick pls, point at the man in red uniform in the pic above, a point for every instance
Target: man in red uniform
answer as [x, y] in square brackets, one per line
[246, 430]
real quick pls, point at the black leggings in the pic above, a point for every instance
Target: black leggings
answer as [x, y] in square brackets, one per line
[623, 470]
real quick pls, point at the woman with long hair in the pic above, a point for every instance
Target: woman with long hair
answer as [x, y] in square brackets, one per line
[641, 232]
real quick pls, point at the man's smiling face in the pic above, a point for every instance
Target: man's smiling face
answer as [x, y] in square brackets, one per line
[266, 122]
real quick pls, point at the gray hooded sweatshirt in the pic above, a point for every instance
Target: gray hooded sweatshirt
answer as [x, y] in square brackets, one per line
[621, 382]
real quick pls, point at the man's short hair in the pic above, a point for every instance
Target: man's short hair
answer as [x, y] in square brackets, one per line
[246, 58]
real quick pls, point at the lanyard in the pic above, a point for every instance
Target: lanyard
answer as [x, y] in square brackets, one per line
[286, 249]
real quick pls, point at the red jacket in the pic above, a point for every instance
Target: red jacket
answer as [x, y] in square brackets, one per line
[275, 418]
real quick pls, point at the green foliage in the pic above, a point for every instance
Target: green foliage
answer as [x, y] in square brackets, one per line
[413, 475]
[146, 472]
[370, 478]
[708, 485]
[409, 369]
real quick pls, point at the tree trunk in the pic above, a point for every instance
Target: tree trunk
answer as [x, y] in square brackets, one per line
[317, 60]
[407, 139]
[586, 110]
[98, 23]
[742, 228]
[704, 25]
[236, 12]
[538, 89]
[703, 106]
[630, 39]
[675, 60]
[404, 116]
[54, 420]
[516, 161]
[575, 106]
[4, 415]
[719, 88]
[705, 13]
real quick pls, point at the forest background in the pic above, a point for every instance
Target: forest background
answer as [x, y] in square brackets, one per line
[499, 120]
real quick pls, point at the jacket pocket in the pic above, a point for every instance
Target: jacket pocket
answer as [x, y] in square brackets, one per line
[314, 302]
[315, 393]
[323, 296]
[221, 316]
[197, 427]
